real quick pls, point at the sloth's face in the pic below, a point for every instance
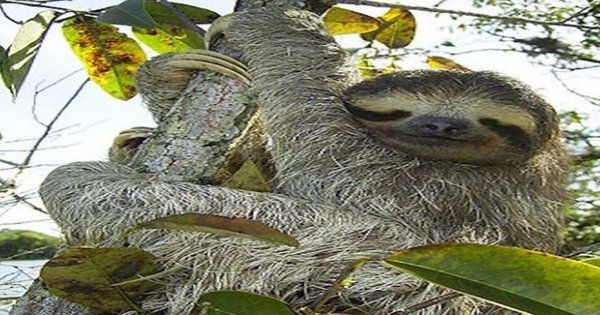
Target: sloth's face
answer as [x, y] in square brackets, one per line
[467, 124]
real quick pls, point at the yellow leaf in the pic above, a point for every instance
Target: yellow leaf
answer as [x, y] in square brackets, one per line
[341, 21]
[248, 177]
[368, 69]
[441, 63]
[110, 58]
[397, 30]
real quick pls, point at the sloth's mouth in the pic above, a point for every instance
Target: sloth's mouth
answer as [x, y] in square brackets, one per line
[436, 139]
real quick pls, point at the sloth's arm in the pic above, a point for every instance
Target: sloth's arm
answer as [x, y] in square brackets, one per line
[299, 73]
[94, 201]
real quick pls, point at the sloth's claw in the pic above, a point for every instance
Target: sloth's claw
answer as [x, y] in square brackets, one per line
[213, 61]
[125, 145]
[216, 29]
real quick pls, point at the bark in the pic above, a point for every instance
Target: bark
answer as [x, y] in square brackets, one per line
[190, 145]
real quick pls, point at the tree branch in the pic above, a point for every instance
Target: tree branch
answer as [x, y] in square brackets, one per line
[37, 5]
[471, 14]
[20, 199]
[8, 17]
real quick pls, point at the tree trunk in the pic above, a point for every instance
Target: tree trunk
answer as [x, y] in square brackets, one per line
[190, 145]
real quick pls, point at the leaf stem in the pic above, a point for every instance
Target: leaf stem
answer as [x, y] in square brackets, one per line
[427, 303]
[337, 284]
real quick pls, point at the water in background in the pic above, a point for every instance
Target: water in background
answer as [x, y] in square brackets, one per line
[15, 278]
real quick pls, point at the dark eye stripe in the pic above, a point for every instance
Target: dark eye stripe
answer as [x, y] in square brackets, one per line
[515, 135]
[376, 116]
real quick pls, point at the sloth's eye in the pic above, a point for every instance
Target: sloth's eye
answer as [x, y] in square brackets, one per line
[512, 133]
[377, 116]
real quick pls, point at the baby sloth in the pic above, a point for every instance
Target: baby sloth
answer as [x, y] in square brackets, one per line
[362, 169]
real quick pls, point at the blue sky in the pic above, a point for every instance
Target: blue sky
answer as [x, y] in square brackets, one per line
[95, 118]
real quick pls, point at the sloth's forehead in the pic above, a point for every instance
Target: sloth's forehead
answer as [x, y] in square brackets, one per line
[454, 92]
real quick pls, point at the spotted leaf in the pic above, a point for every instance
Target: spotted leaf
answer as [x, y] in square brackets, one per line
[105, 279]
[110, 57]
[168, 38]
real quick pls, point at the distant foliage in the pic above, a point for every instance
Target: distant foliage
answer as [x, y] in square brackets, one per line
[13, 243]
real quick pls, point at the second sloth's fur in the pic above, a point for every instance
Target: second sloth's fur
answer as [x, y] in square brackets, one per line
[340, 193]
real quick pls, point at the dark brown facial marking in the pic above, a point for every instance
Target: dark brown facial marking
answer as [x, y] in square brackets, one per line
[376, 116]
[515, 135]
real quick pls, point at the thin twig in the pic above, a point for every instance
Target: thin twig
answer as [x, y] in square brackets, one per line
[583, 250]
[21, 254]
[37, 5]
[579, 13]
[39, 90]
[466, 13]
[338, 283]
[591, 99]
[25, 222]
[8, 17]
[48, 128]
[10, 162]
[24, 200]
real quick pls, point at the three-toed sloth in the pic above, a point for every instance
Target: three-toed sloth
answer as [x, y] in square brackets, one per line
[401, 160]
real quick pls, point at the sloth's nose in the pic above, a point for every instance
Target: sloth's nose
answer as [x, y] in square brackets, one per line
[432, 126]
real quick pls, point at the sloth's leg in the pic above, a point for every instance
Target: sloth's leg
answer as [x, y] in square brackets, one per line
[162, 79]
[93, 202]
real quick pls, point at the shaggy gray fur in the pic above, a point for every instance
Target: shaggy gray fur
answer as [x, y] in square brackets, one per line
[342, 194]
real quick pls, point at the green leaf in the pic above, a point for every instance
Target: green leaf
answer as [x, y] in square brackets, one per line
[341, 21]
[24, 48]
[248, 177]
[110, 58]
[239, 303]
[5, 68]
[165, 38]
[397, 30]
[170, 34]
[106, 279]
[525, 280]
[130, 12]
[208, 223]
[162, 15]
